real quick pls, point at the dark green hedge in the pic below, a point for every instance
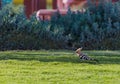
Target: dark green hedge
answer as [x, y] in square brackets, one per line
[97, 28]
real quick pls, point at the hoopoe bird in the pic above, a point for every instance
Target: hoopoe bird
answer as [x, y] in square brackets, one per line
[83, 56]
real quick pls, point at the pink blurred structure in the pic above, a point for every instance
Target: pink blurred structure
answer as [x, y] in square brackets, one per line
[44, 14]
[41, 5]
[62, 6]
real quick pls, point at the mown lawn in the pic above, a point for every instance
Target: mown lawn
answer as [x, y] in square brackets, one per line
[58, 67]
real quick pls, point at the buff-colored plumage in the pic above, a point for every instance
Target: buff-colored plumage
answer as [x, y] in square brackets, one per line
[78, 51]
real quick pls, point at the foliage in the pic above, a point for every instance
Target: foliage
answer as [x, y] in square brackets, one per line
[96, 28]
[18, 32]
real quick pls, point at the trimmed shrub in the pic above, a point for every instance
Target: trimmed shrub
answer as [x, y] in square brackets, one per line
[18, 32]
[96, 28]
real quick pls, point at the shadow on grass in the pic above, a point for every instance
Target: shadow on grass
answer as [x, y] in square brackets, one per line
[103, 53]
[113, 59]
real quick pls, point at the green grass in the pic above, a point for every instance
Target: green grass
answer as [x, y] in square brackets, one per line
[58, 67]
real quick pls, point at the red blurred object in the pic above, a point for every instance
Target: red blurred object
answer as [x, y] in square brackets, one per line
[35, 5]
[0, 4]
[61, 5]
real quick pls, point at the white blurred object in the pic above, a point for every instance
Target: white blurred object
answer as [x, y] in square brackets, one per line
[67, 3]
